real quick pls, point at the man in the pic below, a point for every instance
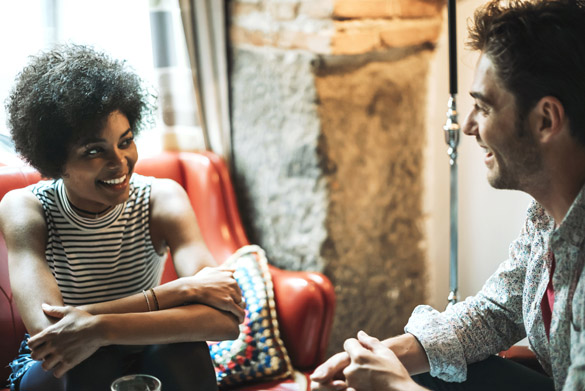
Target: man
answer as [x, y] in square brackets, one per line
[529, 117]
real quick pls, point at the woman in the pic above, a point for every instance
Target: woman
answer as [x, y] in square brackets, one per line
[86, 249]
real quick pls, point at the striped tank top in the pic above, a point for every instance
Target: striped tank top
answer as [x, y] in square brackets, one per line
[97, 260]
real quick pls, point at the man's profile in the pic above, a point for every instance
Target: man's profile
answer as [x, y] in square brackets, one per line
[529, 119]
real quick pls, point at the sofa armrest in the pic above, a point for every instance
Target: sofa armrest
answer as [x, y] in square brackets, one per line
[305, 303]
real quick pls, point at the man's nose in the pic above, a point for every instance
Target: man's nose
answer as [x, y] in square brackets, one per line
[469, 125]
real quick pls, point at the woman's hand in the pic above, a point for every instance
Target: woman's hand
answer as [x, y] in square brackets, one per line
[66, 343]
[217, 287]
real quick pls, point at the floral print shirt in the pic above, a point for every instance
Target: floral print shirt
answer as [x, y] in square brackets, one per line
[508, 307]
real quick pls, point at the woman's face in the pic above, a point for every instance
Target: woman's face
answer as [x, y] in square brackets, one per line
[98, 169]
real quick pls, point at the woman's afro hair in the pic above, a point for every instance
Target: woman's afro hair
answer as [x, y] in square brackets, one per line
[66, 94]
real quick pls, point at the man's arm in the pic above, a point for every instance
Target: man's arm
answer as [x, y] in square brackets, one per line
[373, 366]
[444, 343]
[576, 371]
[410, 354]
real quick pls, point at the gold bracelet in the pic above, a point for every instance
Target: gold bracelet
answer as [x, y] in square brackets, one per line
[156, 307]
[147, 302]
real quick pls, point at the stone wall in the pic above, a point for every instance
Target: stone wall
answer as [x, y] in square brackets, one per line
[328, 107]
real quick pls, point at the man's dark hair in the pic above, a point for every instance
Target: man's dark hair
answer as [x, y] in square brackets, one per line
[538, 49]
[66, 94]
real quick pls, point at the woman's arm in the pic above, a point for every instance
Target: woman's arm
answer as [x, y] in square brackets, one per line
[78, 334]
[174, 224]
[23, 226]
[182, 291]
[65, 336]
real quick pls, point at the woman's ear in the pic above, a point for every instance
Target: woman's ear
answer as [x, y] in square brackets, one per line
[549, 118]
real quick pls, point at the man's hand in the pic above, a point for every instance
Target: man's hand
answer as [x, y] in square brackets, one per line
[217, 287]
[329, 375]
[375, 367]
[66, 343]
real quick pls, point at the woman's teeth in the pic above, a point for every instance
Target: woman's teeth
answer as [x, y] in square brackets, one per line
[116, 181]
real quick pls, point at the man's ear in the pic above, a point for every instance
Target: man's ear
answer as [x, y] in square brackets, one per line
[549, 118]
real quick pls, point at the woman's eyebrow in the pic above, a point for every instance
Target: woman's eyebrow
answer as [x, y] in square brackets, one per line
[95, 139]
[126, 133]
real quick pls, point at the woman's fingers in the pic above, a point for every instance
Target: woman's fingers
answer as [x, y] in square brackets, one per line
[50, 362]
[54, 311]
[37, 340]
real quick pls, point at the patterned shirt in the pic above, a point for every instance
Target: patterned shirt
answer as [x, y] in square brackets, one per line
[508, 307]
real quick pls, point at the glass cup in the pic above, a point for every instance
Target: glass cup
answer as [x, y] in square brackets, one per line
[136, 382]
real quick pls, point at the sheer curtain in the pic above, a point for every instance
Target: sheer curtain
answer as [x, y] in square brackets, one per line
[204, 37]
[179, 114]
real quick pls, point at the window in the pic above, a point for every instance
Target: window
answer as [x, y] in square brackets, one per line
[120, 28]
[128, 30]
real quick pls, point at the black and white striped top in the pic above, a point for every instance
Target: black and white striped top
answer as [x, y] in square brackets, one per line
[97, 260]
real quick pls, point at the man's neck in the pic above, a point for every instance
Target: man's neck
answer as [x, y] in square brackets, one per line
[561, 185]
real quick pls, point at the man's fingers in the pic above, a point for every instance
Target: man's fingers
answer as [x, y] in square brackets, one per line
[336, 385]
[375, 345]
[327, 371]
[353, 347]
[370, 342]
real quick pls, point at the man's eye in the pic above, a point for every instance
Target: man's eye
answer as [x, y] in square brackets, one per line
[480, 108]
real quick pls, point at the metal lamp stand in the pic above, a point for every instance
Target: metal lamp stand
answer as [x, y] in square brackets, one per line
[451, 129]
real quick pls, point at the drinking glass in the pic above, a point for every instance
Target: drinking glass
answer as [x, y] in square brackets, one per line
[136, 382]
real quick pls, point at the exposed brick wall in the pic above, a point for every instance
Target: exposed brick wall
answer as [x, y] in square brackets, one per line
[335, 27]
[328, 118]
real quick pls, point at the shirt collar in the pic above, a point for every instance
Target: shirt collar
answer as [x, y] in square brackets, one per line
[572, 228]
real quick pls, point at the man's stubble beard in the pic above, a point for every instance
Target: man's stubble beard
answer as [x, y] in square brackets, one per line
[524, 162]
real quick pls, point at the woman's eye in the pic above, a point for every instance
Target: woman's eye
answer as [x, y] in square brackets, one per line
[92, 152]
[127, 142]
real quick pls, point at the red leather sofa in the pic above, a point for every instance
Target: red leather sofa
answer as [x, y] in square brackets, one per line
[305, 301]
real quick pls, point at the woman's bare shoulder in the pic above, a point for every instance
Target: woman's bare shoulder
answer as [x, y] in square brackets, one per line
[20, 209]
[168, 196]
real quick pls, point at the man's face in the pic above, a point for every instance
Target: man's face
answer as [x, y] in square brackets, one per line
[511, 151]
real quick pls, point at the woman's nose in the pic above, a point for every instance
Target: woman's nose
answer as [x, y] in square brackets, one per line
[117, 158]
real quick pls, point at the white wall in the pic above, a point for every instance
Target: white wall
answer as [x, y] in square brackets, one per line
[489, 219]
